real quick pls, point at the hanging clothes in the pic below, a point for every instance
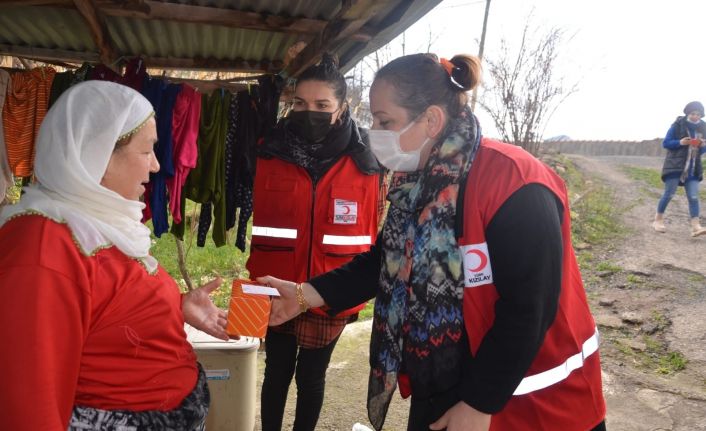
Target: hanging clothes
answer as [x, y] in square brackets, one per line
[206, 182]
[185, 131]
[83, 73]
[163, 96]
[25, 107]
[248, 132]
[102, 72]
[231, 172]
[135, 74]
[5, 173]
[62, 81]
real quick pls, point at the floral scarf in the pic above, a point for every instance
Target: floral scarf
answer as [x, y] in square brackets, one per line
[418, 320]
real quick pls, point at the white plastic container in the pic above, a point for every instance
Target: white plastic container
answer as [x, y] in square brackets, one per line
[231, 368]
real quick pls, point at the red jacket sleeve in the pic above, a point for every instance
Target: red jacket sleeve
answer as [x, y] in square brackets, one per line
[43, 315]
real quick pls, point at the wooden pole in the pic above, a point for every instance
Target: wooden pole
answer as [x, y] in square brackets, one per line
[474, 97]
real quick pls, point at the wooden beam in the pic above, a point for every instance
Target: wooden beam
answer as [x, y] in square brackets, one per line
[237, 65]
[36, 3]
[214, 16]
[99, 31]
[352, 17]
[206, 86]
[371, 31]
[49, 54]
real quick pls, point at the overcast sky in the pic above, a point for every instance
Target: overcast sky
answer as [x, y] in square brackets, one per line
[637, 62]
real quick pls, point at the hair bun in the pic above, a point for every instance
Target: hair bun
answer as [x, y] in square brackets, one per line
[329, 60]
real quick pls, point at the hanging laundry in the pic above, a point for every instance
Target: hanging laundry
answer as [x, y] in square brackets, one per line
[135, 74]
[163, 96]
[25, 107]
[185, 131]
[230, 168]
[5, 173]
[248, 132]
[62, 81]
[102, 72]
[83, 73]
[206, 182]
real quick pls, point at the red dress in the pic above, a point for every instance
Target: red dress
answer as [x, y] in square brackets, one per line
[96, 331]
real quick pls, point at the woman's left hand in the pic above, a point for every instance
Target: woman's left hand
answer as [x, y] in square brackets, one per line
[200, 312]
[462, 417]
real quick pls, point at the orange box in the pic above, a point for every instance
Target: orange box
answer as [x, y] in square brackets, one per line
[248, 313]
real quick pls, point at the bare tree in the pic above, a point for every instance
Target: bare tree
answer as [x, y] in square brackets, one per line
[525, 91]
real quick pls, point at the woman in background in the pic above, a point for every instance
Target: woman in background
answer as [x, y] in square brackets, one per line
[685, 143]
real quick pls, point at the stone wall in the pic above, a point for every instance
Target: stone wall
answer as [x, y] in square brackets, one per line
[607, 148]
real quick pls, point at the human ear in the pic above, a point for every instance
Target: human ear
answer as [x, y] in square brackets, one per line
[435, 121]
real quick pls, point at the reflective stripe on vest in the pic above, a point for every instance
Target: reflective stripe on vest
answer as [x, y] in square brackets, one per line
[347, 240]
[561, 372]
[274, 232]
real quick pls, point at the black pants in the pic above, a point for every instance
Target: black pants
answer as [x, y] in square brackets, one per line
[424, 412]
[283, 358]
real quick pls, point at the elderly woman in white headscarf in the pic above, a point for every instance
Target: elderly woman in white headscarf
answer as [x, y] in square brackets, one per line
[92, 324]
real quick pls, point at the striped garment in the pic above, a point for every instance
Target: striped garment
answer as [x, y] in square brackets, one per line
[5, 174]
[25, 107]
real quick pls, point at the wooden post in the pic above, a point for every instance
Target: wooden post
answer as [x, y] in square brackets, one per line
[474, 97]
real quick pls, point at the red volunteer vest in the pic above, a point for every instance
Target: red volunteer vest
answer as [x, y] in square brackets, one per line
[301, 230]
[562, 388]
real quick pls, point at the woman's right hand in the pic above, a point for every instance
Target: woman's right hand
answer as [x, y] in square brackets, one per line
[685, 141]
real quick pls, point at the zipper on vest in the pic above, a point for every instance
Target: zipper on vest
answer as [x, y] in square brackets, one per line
[311, 228]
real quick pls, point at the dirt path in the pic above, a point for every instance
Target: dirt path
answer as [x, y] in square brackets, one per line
[650, 307]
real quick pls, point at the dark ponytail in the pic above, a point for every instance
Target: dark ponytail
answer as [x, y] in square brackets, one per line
[327, 71]
[422, 80]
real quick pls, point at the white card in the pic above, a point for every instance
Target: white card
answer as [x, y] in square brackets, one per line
[259, 290]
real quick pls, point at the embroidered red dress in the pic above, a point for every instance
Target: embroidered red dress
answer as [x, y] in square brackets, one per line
[96, 331]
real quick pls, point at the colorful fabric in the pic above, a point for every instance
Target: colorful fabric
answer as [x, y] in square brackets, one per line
[5, 172]
[313, 331]
[189, 416]
[25, 107]
[418, 320]
[162, 95]
[74, 147]
[206, 182]
[185, 131]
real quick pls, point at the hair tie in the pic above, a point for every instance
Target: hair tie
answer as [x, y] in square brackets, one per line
[447, 65]
[449, 68]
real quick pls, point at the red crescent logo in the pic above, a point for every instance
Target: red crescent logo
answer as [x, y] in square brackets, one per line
[347, 209]
[483, 260]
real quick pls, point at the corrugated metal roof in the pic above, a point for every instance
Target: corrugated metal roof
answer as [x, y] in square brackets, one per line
[60, 32]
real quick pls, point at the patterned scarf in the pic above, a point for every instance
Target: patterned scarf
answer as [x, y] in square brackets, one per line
[418, 319]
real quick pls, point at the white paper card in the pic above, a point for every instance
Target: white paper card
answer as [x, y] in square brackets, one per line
[260, 290]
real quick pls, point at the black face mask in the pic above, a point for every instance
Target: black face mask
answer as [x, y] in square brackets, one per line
[310, 125]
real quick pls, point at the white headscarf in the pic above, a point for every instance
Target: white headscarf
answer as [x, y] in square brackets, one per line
[75, 143]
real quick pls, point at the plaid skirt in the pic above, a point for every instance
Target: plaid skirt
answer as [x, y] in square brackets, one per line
[189, 416]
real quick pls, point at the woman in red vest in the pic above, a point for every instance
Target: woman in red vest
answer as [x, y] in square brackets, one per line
[480, 312]
[316, 200]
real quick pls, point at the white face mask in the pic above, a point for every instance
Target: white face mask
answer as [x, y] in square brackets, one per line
[385, 144]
